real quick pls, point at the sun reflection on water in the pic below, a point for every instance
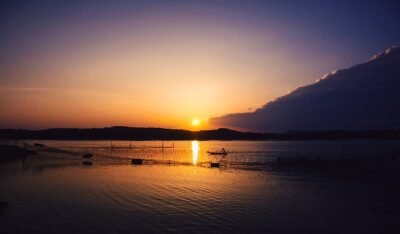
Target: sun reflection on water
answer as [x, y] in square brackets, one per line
[195, 151]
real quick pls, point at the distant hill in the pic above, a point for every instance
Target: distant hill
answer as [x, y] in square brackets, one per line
[128, 133]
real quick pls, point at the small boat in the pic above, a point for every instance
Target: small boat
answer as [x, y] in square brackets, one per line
[87, 163]
[137, 161]
[217, 153]
[38, 145]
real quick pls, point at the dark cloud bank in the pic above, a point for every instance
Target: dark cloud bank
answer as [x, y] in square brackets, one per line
[362, 97]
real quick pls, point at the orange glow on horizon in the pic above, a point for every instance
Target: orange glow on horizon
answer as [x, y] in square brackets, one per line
[163, 79]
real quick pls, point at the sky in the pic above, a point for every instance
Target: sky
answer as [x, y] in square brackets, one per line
[166, 63]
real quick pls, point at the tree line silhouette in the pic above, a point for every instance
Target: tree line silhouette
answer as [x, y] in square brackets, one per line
[133, 133]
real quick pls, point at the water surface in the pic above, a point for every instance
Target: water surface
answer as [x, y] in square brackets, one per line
[53, 192]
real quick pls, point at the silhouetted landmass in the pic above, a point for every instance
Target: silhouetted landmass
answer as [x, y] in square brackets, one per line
[10, 153]
[3, 206]
[128, 133]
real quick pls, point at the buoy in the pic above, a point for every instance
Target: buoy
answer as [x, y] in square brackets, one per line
[87, 163]
[214, 164]
[137, 161]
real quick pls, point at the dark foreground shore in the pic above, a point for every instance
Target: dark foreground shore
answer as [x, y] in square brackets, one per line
[11, 153]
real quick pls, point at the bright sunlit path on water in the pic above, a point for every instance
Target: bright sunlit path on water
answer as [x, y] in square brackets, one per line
[195, 151]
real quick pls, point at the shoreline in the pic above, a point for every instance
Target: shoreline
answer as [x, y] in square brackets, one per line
[161, 134]
[13, 153]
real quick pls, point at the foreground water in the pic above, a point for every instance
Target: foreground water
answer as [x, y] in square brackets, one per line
[54, 192]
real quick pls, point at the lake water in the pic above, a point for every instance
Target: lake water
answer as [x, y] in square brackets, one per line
[239, 151]
[177, 191]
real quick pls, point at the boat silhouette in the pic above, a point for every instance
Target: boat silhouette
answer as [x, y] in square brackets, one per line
[217, 153]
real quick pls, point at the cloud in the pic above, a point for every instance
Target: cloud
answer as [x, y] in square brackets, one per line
[365, 96]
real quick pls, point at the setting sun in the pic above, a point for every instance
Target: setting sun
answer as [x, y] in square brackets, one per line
[195, 122]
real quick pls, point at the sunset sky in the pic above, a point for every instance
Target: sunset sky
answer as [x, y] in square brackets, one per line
[168, 63]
